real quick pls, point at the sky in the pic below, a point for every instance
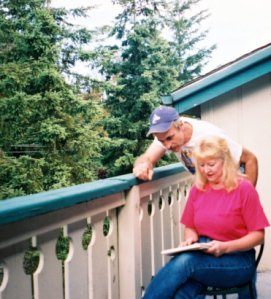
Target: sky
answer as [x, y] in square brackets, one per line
[235, 26]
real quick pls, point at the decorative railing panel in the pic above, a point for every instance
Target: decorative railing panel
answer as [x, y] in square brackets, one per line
[92, 241]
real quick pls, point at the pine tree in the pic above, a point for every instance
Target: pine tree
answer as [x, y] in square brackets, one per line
[151, 59]
[48, 136]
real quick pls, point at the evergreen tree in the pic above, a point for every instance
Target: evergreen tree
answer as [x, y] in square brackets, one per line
[186, 34]
[48, 136]
[151, 59]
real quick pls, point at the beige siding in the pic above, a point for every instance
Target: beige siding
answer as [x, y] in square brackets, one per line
[245, 114]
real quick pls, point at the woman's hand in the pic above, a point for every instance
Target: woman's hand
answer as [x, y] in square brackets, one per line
[217, 248]
[247, 242]
[187, 242]
[190, 236]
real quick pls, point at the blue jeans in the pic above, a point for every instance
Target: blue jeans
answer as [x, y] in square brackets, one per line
[184, 276]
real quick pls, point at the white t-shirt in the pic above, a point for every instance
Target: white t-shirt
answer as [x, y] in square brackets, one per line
[202, 128]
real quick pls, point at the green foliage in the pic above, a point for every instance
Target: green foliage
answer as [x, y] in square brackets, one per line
[155, 55]
[68, 137]
[20, 176]
[87, 237]
[62, 247]
[37, 107]
[106, 226]
[31, 260]
[186, 34]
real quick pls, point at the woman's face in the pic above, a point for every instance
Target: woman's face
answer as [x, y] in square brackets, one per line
[212, 169]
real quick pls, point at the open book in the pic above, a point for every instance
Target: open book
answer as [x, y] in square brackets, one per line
[194, 246]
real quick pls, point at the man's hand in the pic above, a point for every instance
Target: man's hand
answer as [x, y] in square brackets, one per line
[144, 164]
[143, 170]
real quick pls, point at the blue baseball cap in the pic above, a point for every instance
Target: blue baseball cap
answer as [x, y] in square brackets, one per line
[161, 119]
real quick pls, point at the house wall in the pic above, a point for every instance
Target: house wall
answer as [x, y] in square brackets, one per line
[244, 113]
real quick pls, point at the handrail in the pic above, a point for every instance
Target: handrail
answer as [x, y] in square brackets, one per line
[23, 207]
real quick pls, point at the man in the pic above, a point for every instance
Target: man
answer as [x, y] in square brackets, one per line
[179, 135]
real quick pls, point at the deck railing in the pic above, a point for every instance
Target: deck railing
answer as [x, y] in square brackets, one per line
[112, 231]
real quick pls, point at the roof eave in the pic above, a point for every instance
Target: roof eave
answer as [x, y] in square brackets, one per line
[222, 81]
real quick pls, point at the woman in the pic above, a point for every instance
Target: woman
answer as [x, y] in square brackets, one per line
[223, 208]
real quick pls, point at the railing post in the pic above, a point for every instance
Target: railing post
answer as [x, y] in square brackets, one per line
[129, 246]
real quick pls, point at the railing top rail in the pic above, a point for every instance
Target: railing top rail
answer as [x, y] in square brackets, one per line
[23, 207]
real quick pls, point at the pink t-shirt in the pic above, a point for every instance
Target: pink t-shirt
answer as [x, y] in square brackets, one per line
[223, 215]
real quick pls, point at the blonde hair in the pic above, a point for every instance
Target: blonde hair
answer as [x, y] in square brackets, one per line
[213, 147]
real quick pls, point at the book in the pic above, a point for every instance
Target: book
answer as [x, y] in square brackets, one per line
[194, 246]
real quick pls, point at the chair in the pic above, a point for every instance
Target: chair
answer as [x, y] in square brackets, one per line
[214, 291]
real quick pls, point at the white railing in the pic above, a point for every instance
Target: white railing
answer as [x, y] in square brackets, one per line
[115, 230]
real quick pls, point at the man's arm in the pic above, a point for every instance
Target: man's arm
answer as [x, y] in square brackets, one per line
[144, 164]
[251, 165]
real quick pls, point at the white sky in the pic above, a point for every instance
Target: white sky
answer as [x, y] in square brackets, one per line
[235, 26]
